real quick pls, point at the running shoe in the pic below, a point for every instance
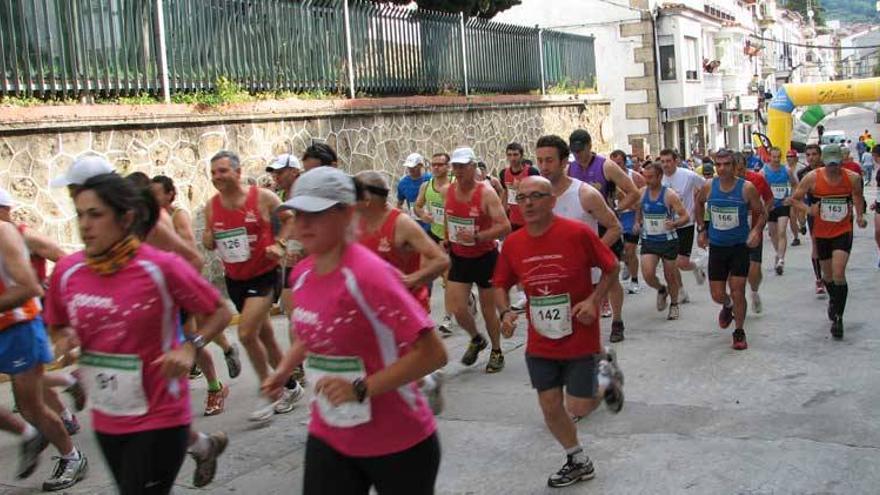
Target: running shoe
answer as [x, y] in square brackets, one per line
[445, 327]
[68, 472]
[820, 289]
[571, 473]
[756, 302]
[633, 287]
[739, 340]
[71, 425]
[616, 331]
[700, 275]
[674, 312]
[206, 467]
[780, 266]
[662, 296]
[803, 230]
[195, 372]
[216, 401]
[606, 309]
[264, 413]
[725, 316]
[472, 303]
[288, 399]
[435, 395]
[78, 394]
[299, 374]
[624, 272]
[29, 455]
[683, 296]
[478, 343]
[796, 242]
[496, 361]
[837, 328]
[233, 361]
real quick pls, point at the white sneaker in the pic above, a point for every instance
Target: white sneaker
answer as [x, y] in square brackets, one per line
[288, 399]
[700, 275]
[756, 303]
[683, 296]
[633, 287]
[520, 303]
[435, 394]
[264, 413]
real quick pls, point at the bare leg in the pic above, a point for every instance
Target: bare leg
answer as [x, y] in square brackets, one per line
[615, 297]
[738, 294]
[27, 388]
[490, 316]
[782, 242]
[457, 295]
[672, 275]
[267, 337]
[649, 271]
[253, 315]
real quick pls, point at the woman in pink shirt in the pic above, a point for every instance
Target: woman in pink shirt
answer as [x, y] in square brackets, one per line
[365, 341]
[119, 300]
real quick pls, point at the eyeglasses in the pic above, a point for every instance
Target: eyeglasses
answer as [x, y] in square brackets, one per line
[535, 196]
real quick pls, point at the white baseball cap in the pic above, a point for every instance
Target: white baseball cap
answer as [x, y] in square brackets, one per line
[6, 200]
[414, 160]
[321, 188]
[83, 169]
[284, 161]
[463, 156]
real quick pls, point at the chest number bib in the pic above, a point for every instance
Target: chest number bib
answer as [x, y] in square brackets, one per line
[232, 245]
[551, 315]
[511, 194]
[725, 218]
[459, 226]
[779, 191]
[114, 383]
[833, 209]
[438, 213]
[347, 414]
[655, 224]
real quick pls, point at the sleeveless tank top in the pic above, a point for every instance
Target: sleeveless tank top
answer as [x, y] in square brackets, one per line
[37, 262]
[28, 311]
[654, 216]
[242, 237]
[436, 205]
[835, 205]
[594, 175]
[627, 217]
[510, 178]
[568, 205]
[467, 217]
[779, 184]
[728, 215]
[381, 242]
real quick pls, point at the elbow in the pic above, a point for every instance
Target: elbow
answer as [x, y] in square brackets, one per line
[223, 315]
[440, 357]
[444, 264]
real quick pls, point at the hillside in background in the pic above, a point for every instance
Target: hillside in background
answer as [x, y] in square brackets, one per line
[851, 10]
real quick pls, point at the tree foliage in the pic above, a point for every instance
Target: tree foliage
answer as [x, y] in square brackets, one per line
[472, 8]
[801, 6]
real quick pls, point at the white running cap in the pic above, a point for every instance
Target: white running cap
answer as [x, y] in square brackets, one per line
[83, 169]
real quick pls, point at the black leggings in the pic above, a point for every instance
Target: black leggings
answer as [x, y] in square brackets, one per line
[147, 462]
[410, 472]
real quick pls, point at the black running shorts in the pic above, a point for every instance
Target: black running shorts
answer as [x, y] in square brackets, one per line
[473, 270]
[825, 247]
[666, 250]
[728, 261]
[685, 240]
[779, 212]
[267, 284]
[577, 375]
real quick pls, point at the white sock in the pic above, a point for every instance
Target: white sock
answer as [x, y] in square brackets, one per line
[66, 415]
[73, 455]
[29, 431]
[201, 446]
[428, 383]
[577, 454]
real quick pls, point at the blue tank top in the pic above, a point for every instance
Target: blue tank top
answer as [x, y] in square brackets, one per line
[779, 184]
[654, 216]
[728, 215]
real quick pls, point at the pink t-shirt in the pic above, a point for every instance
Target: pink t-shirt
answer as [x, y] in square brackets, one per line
[135, 311]
[362, 309]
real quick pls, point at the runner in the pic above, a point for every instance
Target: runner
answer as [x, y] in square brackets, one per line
[239, 228]
[475, 220]
[165, 192]
[797, 222]
[364, 340]
[813, 154]
[870, 161]
[837, 194]
[553, 258]
[729, 237]
[24, 349]
[577, 200]
[431, 208]
[686, 184]
[756, 253]
[142, 422]
[483, 174]
[610, 180]
[510, 178]
[319, 155]
[658, 218]
[400, 241]
[285, 169]
[410, 184]
[782, 182]
[627, 222]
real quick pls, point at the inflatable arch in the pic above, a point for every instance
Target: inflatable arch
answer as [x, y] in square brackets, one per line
[822, 97]
[806, 120]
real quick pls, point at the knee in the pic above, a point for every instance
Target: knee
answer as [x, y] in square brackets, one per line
[582, 408]
[248, 335]
[551, 405]
[683, 263]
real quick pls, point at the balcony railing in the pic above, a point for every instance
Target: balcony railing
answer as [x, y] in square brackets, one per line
[712, 90]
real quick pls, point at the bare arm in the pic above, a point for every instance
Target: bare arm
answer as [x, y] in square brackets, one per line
[804, 187]
[758, 211]
[674, 203]
[623, 183]
[25, 285]
[858, 198]
[165, 238]
[700, 213]
[419, 207]
[42, 246]
[183, 226]
[593, 203]
[500, 224]
[434, 260]
[208, 233]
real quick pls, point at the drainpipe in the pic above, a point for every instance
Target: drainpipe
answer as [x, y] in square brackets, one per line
[662, 137]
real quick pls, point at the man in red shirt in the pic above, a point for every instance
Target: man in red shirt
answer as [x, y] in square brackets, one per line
[756, 254]
[552, 258]
[849, 164]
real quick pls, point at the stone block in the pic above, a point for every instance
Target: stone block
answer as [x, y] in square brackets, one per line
[641, 111]
[635, 29]
[643, 54]
[638, 83]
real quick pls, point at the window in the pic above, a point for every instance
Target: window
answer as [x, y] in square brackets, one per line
[667, 58]
[692, 60]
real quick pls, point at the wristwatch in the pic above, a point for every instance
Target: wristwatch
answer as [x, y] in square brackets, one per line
[197, 341]
[360, 389]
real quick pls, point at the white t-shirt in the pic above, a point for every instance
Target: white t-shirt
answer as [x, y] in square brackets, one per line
[685, 183]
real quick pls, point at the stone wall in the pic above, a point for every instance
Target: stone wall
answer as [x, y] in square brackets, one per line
[38, 144]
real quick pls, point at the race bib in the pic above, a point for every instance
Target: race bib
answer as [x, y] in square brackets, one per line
[438, 213]
[725, 217]
[294, 247]
[655, 224]
[114, 383]
[780, 191]
[511, 195]
[232, 245]
[458, 226]
[347, 414]
[833, 209]
[551, 315]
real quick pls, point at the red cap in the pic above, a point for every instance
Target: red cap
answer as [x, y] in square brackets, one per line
[791, 152]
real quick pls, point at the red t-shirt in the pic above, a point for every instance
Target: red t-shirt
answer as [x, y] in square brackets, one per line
[760, 182]
[552, 267]
[510, 181]
[853, 167]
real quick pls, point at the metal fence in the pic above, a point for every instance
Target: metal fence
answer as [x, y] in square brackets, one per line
[69, 48]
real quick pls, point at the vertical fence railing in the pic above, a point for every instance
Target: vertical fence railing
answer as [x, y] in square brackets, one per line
[110, 48]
